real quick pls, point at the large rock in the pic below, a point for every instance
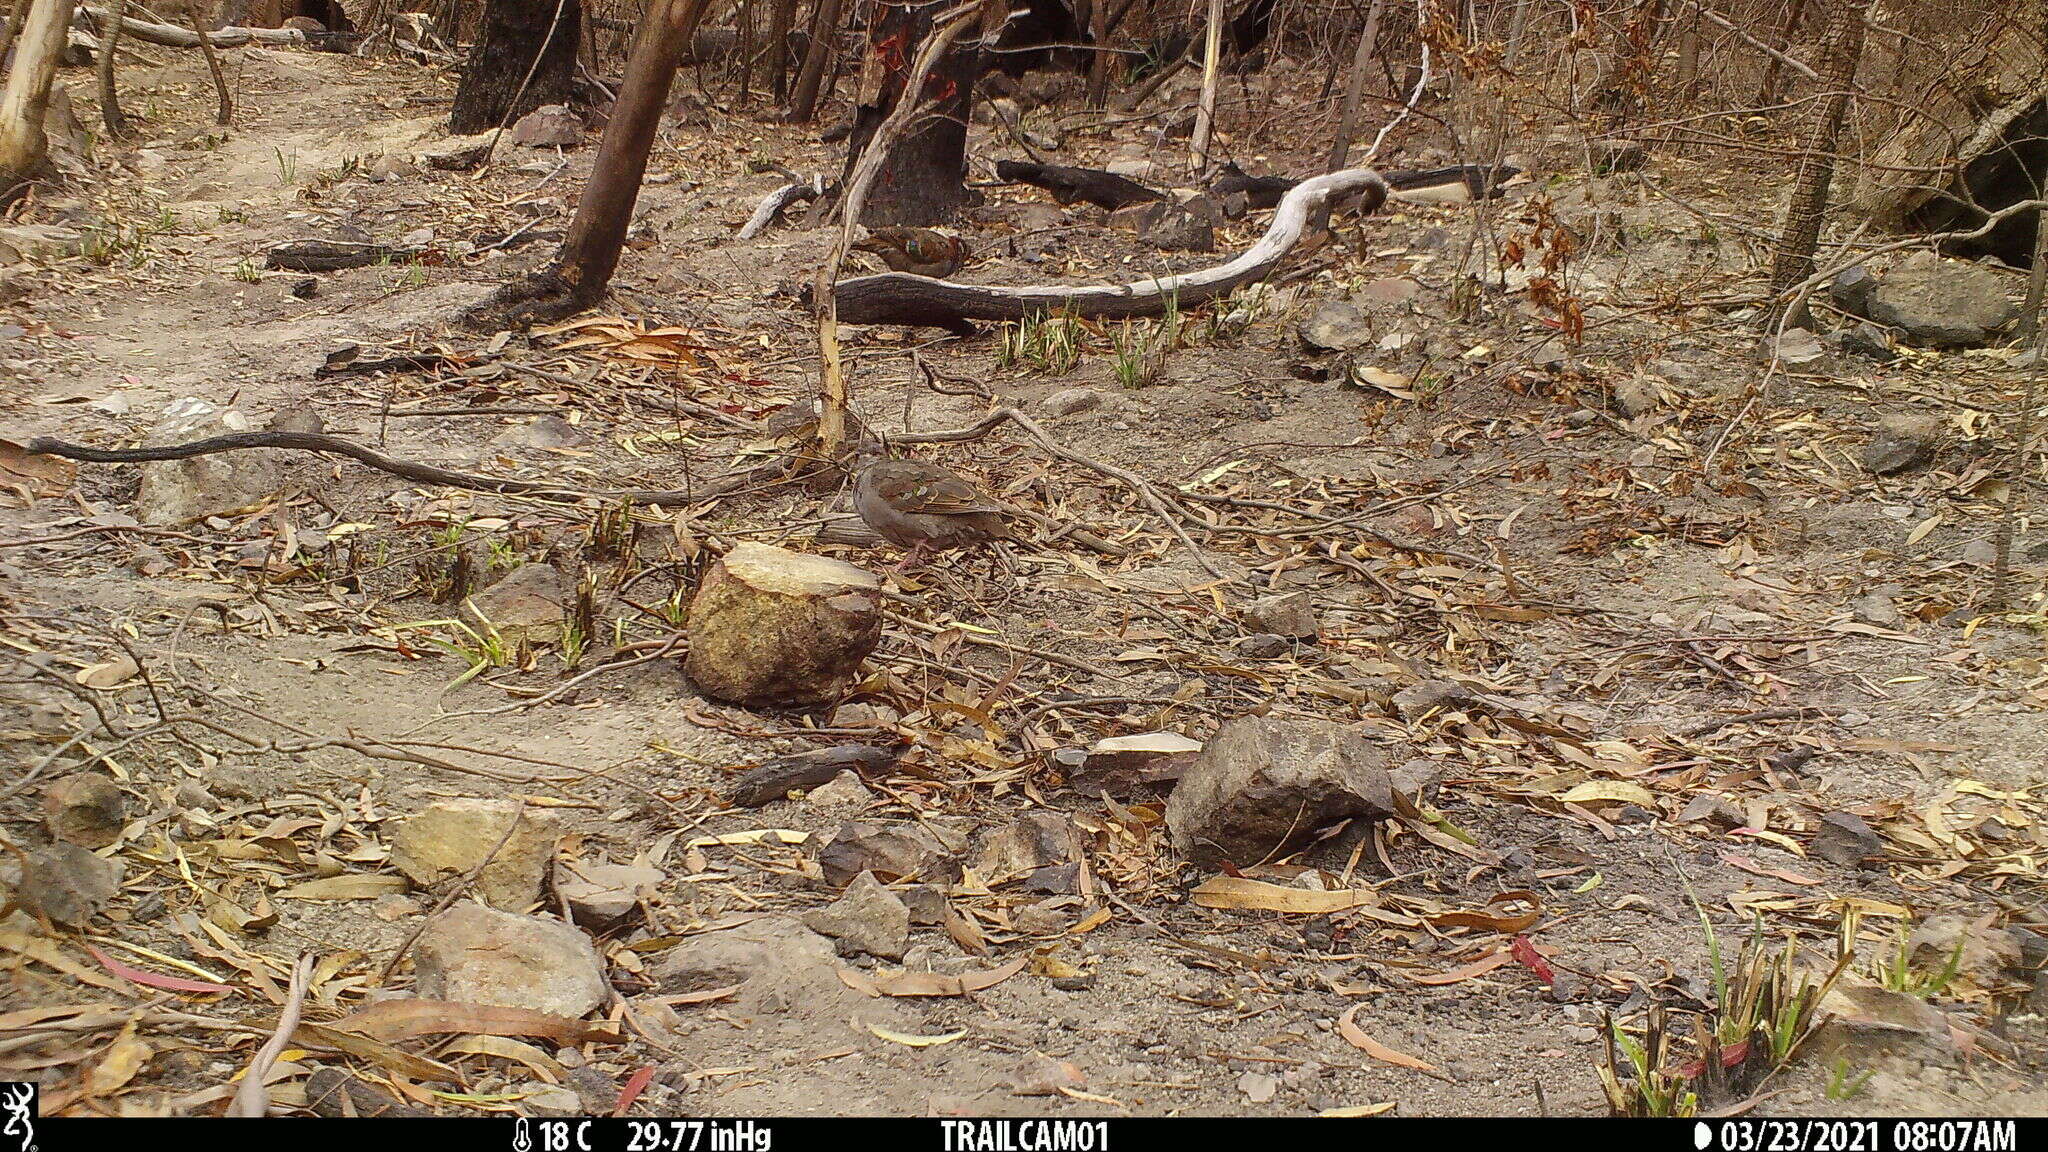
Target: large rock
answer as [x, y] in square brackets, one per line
[1942, 303]
[868, 918]
[449, 838]
[474, 955]
[528, 603]
[548, 126]
[898, 851]
[779, 965]
[1902, 444]
[177, 491]
[1264, 784]
[781, 629]
[1336, 326]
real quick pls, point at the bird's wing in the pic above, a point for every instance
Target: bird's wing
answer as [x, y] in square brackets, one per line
[936, 493]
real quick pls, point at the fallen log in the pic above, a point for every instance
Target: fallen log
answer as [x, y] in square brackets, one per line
[1458, 183]
[1068, 185]
[919, 301]
[772, 205]
[172, 36]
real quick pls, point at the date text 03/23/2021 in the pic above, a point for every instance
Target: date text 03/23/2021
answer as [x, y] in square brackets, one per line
[1857, 1136]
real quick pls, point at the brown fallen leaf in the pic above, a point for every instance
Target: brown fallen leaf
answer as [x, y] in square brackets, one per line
[930, 983]
[1236, 892]
[403, 1019]
[394, 1059]
[353, 886]
[111, 674]
[1349, 1029]
[1495, 922]
[32, 472]
[1464, 972]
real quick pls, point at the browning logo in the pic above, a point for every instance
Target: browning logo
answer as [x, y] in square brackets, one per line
[17, 1116]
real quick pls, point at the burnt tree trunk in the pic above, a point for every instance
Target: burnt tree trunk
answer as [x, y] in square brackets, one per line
[1841, 49]
[780, 16]
[525, 57]
[924, 179]
[803, 103]
[590, 252]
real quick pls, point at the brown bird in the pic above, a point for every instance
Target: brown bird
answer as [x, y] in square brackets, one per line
[922, 507]
[918, 251]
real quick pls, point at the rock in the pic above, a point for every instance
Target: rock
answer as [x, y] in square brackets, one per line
[548, 126]
[1851, 290]
[545, 1099]
[1414, 702]
[1865, 1022]
[1128, 766]
[1615, 156]
[1189, 226]
[1264, 784]
[1418, 778]
[527, 604]
[475, 955]
[601, 896]
[1942, 303]
[1264, 646]
[1902, 444]
[67, 884]
[449, 838]
[1984, 956]
[1041, 1075]
[545, 433]
[1292, 614]
[1797, 346]
[37, 242]
[865, 715]
[1336, 326]
[775, 628]
[777, 962]
[1637, 395]
[926, 904]
[1037, 841]
[177, 491]
[460, 153]
[88, 810]
[1846, 839]
[389, 167]
[867, 918]
[1070, 402]
[897, 851]
[842, 793]
[1258, 1087]
[1868, 341]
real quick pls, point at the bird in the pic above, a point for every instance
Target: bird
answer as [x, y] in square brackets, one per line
[918, 251]
[921, 506]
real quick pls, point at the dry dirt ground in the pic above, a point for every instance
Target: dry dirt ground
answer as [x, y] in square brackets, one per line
[1614, 543]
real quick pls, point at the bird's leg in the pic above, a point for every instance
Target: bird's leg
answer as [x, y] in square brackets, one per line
[912, 559]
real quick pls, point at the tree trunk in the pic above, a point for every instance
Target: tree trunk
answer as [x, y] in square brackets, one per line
[1354, 89]
[923, 181]
[15, 15]
[110, 96]
[590, 252]
[780, 17]
[1767, 95]
[525, 57]
[223, 103]
[1841, 48]
[27, 95]
[1205, 111]
[803, 103]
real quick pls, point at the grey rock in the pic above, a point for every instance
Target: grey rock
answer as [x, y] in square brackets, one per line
[1844, 838]
[548, 126]
[842, 793]
[866, 918]
[1876, 607]
[477, 955]
[529, 602]
[1868, 341]
[777, 962]
[1263, 784]
[448, 839]
[545, 1099]
[1902, 444]
[1637, 395]
[1189, 226]
[178, 491]
[603, 895]
[897, 850]
[1070, 401]
[1415, 701]
[67, 884]
[1852, 288]
[1797, 346]
[925, 902]
[1336, 326]
[1942, 303]
[1038, 840]
[1291, 614]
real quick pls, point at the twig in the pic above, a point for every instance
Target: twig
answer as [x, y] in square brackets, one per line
[454, 894]
[253, 1098]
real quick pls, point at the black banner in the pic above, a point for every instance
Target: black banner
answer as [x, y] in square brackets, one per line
[1133, 1134]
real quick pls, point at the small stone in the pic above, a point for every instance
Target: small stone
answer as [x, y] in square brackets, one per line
[1846, 839]
[1877, 607]
[67, 884]
[88, 810]
[1038, 840]
[867, 918]
[1264, 784]
[1417, 700]
[1292, 614]
[545, 1099]
[602, 896]
[842, 793]
[450, 838]
[1336, 326]
[1851, 290]
[1637, 395]
[1264, 646]
[548, 126]
[926, 903]
[1902, 444]
[476, 955]
[527, 604]
[460, 153]
[898, 850]
[1070, 402]
[1868, 341]
[1258, 1087]
[1797, 346]
[778, 963]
